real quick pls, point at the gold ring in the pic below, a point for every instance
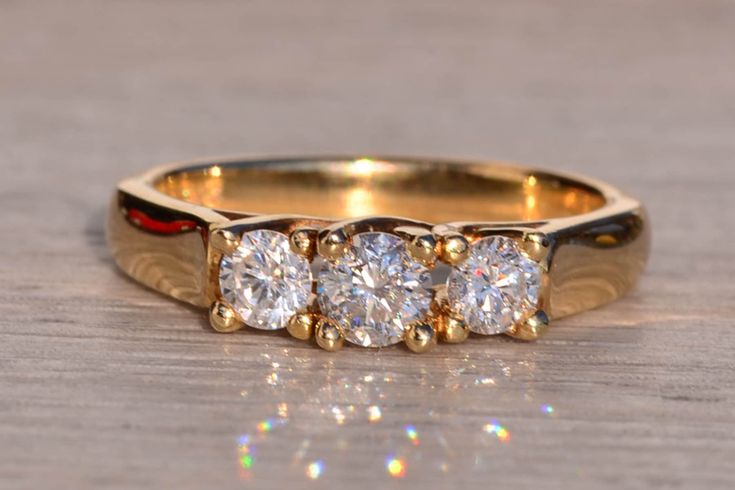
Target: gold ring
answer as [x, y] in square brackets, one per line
[377, 251]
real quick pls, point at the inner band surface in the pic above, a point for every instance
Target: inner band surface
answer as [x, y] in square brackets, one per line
[435, 192]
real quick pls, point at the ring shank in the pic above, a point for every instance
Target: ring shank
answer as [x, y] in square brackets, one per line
[159, 223]
[435, 192]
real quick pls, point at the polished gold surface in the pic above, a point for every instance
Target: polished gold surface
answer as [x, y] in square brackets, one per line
[421, 244]
[420, 337]
[328, 335]
[169, 228]
[532, 328]
[303, 242]
[454, 248]
[333, 244]
[452, 330]
[224, 241]
[339, 188]
[536, 246]
[223, 318]
[301, 326]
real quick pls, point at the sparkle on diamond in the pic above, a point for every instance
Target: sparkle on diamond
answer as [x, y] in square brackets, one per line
[495, 287]
[375, 290]
[264, 281]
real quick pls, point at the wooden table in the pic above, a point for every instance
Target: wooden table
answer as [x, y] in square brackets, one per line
[104, 384]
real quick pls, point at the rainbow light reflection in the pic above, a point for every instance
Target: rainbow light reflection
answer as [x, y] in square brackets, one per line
[246, 461]
[245, 457]
[396, 467]
[265, 426]
[412, 435]
[498, 430]
[315, 469]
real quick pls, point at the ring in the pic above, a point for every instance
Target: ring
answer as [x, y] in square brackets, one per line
[377, 251]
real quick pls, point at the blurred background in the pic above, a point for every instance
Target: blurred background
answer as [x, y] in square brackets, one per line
[105, 384]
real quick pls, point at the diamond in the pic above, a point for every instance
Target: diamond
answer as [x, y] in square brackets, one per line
[264, 281]
[495, 287]
[375, 290]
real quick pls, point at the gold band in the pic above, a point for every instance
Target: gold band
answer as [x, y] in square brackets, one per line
[594, 239]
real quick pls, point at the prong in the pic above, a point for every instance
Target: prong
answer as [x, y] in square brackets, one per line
[536, 245]
[224, 241]
[301, 325]
[454, 248]
[422, 245]
[452, 330]
[303, 242]
[329, 335]
[420, 337]
[333, 244]
[223, 318]
[531, 329]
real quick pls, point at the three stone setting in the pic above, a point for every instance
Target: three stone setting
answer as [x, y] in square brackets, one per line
[374, 287]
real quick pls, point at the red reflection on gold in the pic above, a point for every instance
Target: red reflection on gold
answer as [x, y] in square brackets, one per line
[142, 220]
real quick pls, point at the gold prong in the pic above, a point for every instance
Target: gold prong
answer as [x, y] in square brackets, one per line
[420, 337]
[329, 335]
[422, 245]
[536, 246]
[301, 325]
[531, 329]
[224, 241]
[333, 244]
[223, 318]
[303, 242]
[452, 330]
[454, 248]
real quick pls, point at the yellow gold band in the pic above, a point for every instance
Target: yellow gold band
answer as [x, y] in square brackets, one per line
[166, 227]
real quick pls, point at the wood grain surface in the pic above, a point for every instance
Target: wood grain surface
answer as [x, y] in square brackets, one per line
[104, 384]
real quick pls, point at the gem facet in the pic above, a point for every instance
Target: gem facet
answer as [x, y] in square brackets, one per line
[495, 287]
[375, 290]
[264, 281]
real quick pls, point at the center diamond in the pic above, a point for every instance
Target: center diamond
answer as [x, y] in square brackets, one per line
[495, 287]
[264, 281]
[375, 290]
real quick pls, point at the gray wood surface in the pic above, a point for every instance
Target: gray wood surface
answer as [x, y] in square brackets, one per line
[104, 384]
